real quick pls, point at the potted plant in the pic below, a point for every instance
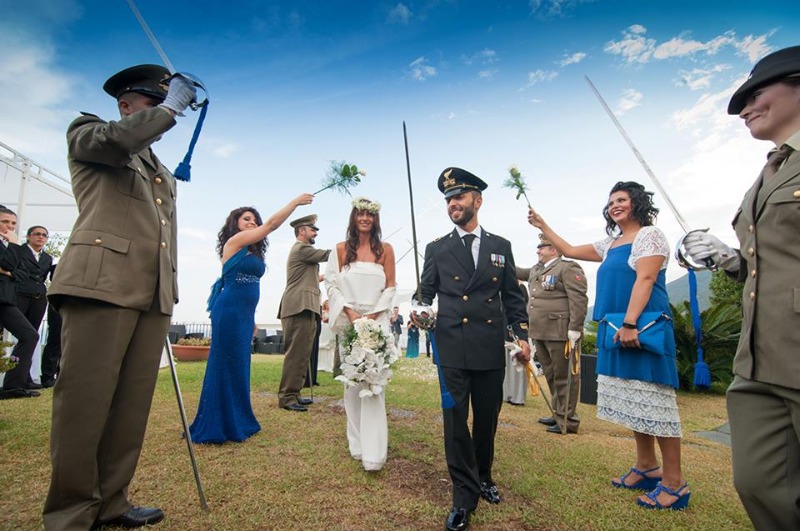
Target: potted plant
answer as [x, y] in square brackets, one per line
[192, 349]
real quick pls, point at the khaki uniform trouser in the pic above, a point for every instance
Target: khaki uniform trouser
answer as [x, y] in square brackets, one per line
[556, 371]
[101, 402]
[299, 331]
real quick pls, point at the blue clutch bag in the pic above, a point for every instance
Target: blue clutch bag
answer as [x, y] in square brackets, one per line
[653, 328]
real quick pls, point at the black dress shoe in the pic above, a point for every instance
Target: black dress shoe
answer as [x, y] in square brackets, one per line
[489, 492]
[48, 382]
[7, 394]
[134, 517]
[547, 421]
[457, 520]
[33, 385]
[295, 407]
[305, 401]
[555, 428]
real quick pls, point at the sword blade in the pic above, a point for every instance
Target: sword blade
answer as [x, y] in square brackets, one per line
[662, 191]
[153, 40]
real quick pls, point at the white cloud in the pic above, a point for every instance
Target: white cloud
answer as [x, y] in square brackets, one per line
[635, 47]
[486, 57]
[630, 99]
[539, 76]
[754, 47]
[553, 8]
[487, 74]
[399, 14]
[28, 74]
[700, 78]
[420, 70]
[222, 148]
[707, 109]
[572, 59]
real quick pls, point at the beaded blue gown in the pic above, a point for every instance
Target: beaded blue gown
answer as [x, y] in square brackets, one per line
[225, 413]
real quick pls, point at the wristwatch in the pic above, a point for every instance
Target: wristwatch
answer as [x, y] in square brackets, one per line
[632, 326]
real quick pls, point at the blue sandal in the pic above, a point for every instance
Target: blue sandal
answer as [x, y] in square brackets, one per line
[646, 483]
[682, 501]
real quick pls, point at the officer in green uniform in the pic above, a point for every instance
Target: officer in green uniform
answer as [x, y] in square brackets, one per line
[764, 398]
[115, 288]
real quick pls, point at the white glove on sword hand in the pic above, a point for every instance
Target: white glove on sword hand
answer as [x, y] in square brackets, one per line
[180, 94]
[701, 245]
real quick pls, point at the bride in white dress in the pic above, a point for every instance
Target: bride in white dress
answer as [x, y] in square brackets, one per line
[360, 281]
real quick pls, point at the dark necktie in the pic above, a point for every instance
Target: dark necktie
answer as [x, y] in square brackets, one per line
[775, 159]
[468, 239]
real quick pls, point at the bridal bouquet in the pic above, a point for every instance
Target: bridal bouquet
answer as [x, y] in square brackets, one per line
[367, 357]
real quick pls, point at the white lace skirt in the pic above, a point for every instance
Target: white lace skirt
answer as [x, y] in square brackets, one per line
[645, 407]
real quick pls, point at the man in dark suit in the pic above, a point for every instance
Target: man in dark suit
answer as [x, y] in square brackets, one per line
[472, 273]
[31, 292]
[11, 318]
[115, 288]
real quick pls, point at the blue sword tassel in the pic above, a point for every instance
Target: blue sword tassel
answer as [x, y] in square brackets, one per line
[447, 398]
[702, 373]
[183, 171]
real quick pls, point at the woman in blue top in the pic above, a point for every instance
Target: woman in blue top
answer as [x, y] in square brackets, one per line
[224, 413]
[635, 387]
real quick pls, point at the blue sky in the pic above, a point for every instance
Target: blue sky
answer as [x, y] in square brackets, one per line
[481, 85]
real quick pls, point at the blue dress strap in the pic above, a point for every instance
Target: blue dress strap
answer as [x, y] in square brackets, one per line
[216, 287]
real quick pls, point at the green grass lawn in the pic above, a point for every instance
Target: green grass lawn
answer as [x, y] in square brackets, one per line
[297, 473]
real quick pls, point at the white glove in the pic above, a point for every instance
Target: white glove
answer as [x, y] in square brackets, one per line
[512, 347]
[701, 245]
[180, 94]
[574, 336]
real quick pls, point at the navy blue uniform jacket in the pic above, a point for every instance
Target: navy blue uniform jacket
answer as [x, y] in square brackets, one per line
[469, 323]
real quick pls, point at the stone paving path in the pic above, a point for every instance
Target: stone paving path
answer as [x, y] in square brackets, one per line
[721, 435]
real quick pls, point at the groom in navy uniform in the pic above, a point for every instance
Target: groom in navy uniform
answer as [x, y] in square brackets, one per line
[473, 274]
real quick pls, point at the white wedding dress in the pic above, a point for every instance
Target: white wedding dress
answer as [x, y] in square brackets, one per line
[361, 286]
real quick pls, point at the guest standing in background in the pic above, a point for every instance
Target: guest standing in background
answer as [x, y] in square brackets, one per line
[635, 386]
[360, 280]
[396, 321]
[51, 353]
[412, 348]
[32, 292]
[556, 311]
[515, 383]
[326, 340]
[15, 382]
[225, 412]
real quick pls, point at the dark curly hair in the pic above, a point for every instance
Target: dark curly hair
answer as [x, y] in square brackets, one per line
[351, 239]
[231, 227]
[641, 202]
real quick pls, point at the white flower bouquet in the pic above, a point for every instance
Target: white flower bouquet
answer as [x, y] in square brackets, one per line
[366, 357]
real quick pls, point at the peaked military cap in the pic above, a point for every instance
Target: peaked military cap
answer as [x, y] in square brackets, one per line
[770, 69]
[543, 241]
[305, 221]
[150, 80]
[454, 181]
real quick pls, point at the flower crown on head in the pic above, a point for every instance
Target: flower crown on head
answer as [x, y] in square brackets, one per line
[362, 203]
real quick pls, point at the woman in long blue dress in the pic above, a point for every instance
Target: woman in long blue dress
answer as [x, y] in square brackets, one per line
[636, 387]
[412, 348]
[225, 413]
